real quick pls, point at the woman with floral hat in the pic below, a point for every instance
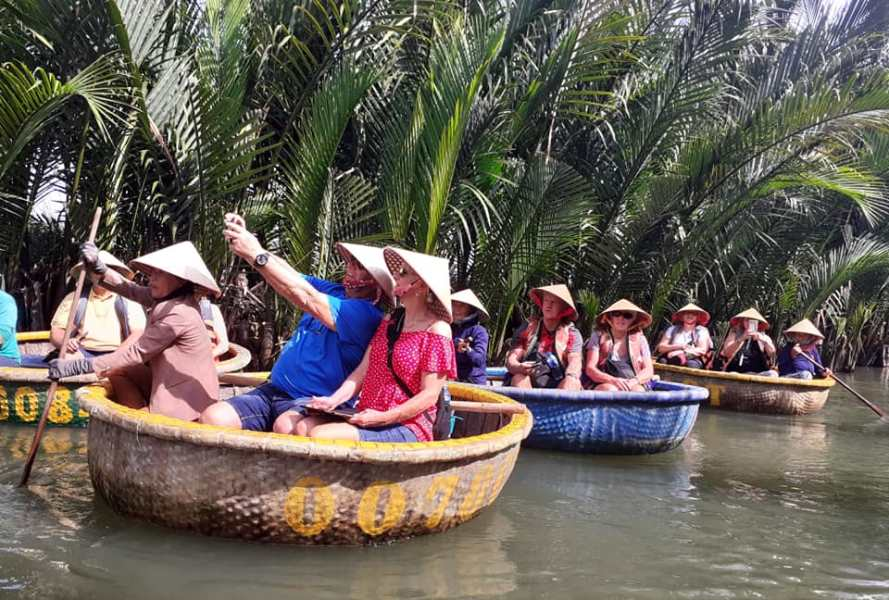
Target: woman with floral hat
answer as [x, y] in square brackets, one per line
[803, 338]
[618, 357]
[406, 365]
[747, 348]
[546, 351]
[687, 341]
[172, 361]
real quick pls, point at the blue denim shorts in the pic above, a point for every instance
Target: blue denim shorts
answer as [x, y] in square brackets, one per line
[389, 433]
[9, 362]
[259, 407]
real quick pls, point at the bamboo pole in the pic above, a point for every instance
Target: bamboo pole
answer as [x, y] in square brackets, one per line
[51, 394]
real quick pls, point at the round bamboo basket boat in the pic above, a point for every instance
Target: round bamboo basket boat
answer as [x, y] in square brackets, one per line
[753, 393]
[609, 422]
[283, 488]
[23, 389]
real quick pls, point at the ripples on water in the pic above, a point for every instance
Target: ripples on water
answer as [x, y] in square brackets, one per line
[749, 507]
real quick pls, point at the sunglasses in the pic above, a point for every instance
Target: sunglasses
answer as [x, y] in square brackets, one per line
[624, 315]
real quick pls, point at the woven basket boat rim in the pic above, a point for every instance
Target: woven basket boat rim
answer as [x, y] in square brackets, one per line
[778, 382]
[657, 398]
[34, 375]
[94, 400]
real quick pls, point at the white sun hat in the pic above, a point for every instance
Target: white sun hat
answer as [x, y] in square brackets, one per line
[181, 260]
[467, 296]
[433, 270]
[371, 258]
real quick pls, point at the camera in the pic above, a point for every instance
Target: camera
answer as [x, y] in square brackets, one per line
[548, 371]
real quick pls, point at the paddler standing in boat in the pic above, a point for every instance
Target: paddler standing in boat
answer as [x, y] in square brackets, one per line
[747, 348]
[171, 363]
[329, 341]
[546, 351]
[618, 356]
[804, 338]
[470, 337]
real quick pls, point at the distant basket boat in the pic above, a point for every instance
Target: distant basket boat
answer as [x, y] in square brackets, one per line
[609, 422]
[284, 488]
[23, 389]
[754, 393]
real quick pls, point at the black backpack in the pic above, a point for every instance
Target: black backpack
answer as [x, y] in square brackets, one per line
[441, 427]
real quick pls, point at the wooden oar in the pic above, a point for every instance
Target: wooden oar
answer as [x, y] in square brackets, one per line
[870, 404]
[51, 394]
[457, 405]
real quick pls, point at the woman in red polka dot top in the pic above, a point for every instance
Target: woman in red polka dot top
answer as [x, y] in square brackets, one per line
[422, 359]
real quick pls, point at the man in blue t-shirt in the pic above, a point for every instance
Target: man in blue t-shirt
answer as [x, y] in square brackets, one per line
[9, 349]
[328, 343]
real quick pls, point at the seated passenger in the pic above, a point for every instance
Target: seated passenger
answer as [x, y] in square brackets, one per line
[215, 323]
[618, 357]
[329, 341]
[686, 342]
[804, 338]
[171, 363]
[747, 348]
[9, 348]
[103, 320]
[546, 351]
[470, 337]
[406, 365]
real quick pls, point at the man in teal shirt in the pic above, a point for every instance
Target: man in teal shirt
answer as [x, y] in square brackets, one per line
[9, 348]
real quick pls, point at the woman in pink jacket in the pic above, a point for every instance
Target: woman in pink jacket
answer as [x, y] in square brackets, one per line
[172, 362]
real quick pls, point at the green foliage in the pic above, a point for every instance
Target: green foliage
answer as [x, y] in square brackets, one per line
[733, 152]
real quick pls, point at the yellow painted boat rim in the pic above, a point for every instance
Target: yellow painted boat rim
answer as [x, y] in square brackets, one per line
[820, 384]
[94, 400]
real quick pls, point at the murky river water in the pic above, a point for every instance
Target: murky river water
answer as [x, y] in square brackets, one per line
[750, 506]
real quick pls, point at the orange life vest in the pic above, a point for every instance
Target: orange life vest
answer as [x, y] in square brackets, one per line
[561, 338]
[634, 349]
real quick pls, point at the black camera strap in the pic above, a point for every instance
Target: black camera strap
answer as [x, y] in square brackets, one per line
[393, 330]
[441, 426]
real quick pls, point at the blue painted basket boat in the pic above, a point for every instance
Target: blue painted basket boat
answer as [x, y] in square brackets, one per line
[610, 422]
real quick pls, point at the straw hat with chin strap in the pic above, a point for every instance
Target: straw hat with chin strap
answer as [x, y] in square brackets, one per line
[558, 290]
[181, 260]
[372, 260]
[434, 271]
[805, 327]
[703, 315]
[643, 319]
[110, 261]
[468, 297]
[750, 313]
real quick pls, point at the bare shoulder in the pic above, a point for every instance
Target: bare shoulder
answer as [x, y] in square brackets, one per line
[441, 328]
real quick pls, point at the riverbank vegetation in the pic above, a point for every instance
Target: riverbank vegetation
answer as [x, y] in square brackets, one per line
[730, 152]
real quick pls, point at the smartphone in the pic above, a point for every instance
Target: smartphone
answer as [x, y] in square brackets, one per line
[343, 412]
[752, 325]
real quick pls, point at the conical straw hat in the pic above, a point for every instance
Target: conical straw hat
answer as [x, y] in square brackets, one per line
[558, 290]
[433, 270]
[750, 313]
[372, 260]
[110, 261]
[181, 260]
[467, 296]
[622, 305]
[805, 327]
[703, 318]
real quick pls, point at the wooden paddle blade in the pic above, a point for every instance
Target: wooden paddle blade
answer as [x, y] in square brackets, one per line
[488, 407]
